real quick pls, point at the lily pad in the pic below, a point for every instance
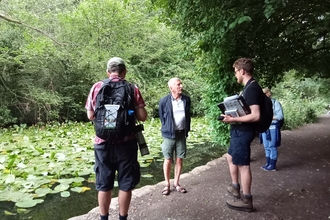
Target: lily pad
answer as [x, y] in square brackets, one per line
[147, 175]
[144, 164]
[62, 187]
[23, 211]
[10, 179]
[9, 213]
[28, 203]
[42, 192]
[80, 189]
[65, 194]
[13, 196]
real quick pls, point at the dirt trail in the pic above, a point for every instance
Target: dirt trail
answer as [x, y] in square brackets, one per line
[300, 189]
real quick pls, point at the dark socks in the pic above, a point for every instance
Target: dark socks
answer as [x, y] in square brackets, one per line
[104, 217]
[123, 217]
[236, 185]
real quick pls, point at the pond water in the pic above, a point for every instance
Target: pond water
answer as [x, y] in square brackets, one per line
[57, 208]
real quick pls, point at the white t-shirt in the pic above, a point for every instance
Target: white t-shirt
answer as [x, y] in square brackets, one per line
[178, 114]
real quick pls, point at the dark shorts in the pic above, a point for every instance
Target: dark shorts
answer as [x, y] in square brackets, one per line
[121, 157]
[240, 146]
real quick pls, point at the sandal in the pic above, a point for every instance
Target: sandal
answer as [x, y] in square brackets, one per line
[179, 189]
[166, 191]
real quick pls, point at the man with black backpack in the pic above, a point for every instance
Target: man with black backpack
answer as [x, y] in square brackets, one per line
[242, 133]
[114, 105]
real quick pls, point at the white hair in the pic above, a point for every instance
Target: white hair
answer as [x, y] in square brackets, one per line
[172, 80]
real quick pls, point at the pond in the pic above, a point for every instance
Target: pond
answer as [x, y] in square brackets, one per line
[56, 207]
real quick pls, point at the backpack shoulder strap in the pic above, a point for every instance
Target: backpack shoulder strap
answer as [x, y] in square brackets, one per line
[106, 82]
[130, 89]
[246, 86]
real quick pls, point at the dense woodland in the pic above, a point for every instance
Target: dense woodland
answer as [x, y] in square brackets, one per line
[51, 52]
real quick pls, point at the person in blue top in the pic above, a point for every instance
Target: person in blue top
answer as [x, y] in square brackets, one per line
[272, 137]
[174, 114]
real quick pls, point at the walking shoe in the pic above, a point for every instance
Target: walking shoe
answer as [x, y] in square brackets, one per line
[269, 168]
[243, 203]
[263, 167]
[233, 190]
[267, 163]
[272, 166]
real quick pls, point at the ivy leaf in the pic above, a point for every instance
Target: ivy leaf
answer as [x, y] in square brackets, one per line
[243, 19]
[233, 24]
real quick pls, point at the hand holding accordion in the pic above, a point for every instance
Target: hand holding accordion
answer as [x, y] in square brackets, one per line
[234, 106]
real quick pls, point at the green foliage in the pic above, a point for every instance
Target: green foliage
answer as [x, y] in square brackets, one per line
[279, 39]
[6, 116]
[302, 99]
[46, 77]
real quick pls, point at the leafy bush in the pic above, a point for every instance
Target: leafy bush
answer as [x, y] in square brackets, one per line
[302, 99]
[6, 117]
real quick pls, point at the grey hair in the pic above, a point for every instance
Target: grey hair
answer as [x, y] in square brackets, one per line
[116, 64]
[172, 80]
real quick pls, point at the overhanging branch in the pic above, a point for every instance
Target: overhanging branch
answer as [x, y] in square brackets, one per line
[30, 27]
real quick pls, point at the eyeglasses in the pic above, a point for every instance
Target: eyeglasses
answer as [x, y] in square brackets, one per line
[236, 71]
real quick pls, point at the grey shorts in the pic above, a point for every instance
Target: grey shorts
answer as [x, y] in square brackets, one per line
[176, 145]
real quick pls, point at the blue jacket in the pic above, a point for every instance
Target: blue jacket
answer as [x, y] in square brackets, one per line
[167, 118]
[277, 110]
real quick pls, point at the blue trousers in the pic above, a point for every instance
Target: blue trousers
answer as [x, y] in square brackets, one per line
[269, 140]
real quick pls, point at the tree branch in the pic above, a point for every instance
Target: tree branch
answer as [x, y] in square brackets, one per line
[30, 27]
[9, 90]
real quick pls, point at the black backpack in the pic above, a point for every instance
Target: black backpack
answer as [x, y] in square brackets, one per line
[266, 114]
[114, 97]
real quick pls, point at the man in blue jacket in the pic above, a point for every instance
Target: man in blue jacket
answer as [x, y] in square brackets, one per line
[174, 114]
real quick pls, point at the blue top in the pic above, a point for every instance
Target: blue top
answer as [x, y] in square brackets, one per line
[277, 111]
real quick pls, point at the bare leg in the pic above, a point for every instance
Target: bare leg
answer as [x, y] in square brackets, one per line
[124, 200]
[233, 169]
[177, 171]
[104, 199]
[246, 179]
[167, 170]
